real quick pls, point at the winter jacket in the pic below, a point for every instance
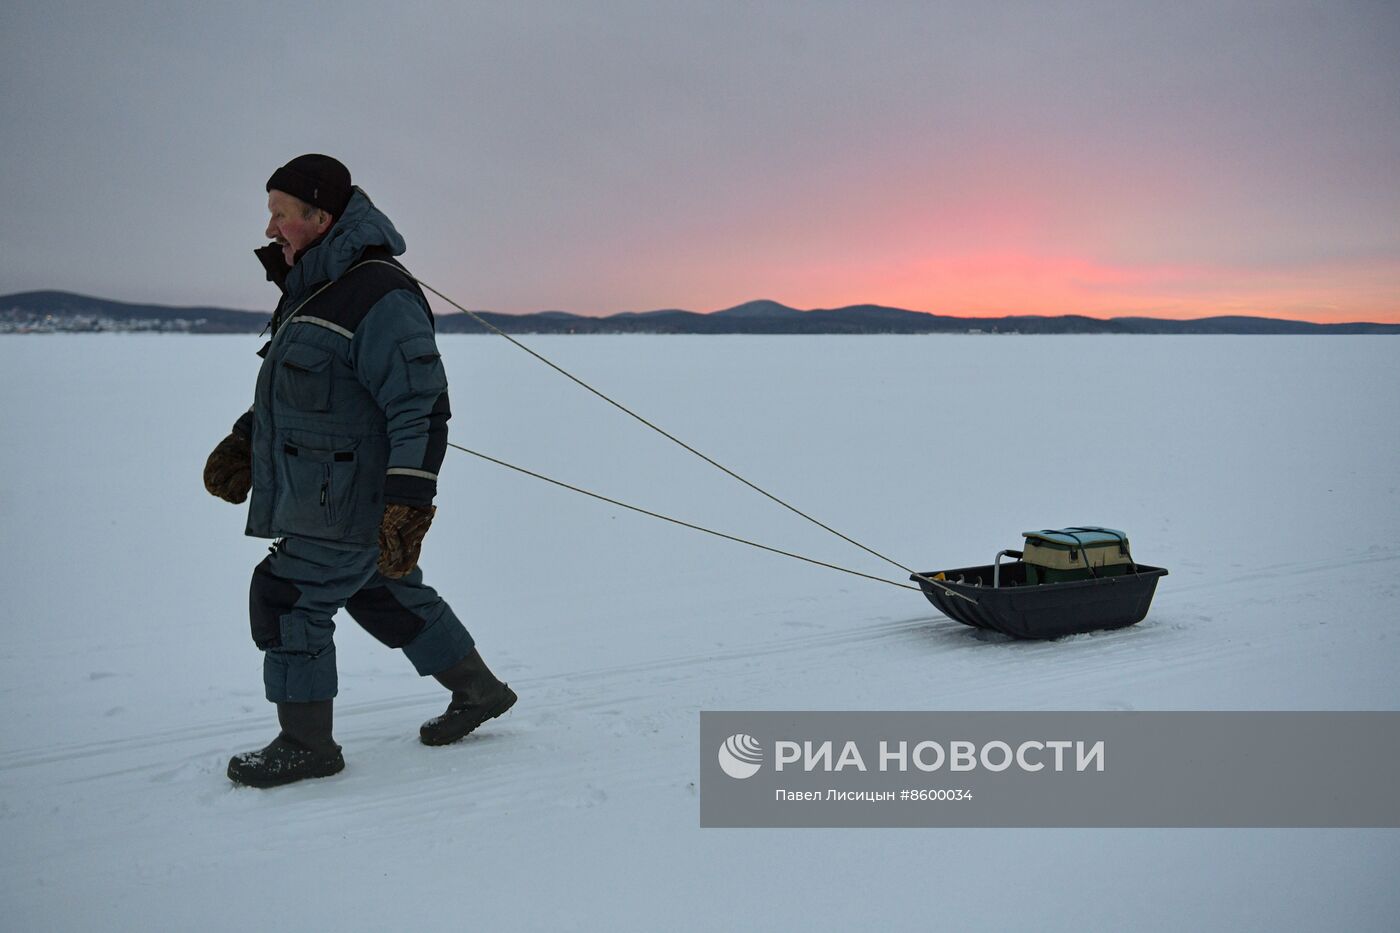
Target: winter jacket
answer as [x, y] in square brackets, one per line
[351, 409]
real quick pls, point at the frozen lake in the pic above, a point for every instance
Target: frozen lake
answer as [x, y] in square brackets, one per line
[1262, 471]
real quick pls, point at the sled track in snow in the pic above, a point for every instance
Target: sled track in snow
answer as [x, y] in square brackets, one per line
[551, 692]
[428, 700]
[1278, 571]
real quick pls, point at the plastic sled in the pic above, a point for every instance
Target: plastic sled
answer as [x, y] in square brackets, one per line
[998, 598]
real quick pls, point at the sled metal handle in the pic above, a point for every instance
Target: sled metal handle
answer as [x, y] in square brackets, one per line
[996, 565]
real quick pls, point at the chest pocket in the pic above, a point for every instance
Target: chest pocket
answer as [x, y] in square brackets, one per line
[304, 378]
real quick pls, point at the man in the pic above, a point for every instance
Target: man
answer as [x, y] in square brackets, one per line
[341, 451]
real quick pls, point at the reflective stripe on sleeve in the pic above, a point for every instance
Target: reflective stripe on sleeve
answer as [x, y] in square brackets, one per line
[405, 471]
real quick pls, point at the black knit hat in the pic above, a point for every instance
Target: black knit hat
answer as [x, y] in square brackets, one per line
[316, 179]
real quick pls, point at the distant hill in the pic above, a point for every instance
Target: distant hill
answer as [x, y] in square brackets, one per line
[47, 312]
[65, 312]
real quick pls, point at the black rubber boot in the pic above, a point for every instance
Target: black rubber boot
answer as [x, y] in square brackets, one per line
[303, 749]
[476, 697]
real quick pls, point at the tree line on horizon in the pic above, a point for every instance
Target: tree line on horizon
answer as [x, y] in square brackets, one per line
[58, 311]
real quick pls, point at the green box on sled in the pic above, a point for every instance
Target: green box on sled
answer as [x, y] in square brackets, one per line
[1079, 553]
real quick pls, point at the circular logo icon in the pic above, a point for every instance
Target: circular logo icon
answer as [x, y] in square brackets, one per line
[741, 756]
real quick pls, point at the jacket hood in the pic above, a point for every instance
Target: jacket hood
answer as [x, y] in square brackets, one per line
[361, 226]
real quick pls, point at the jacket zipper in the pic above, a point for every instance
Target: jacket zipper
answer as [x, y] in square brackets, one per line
[326, 497]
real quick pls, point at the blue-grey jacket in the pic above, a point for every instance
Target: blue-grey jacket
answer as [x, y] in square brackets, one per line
[351, 408]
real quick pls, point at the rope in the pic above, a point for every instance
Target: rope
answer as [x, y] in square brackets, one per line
[677, 521]
[671, 437]
[664, 433]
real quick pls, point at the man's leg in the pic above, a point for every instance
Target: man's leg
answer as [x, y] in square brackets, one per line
[405, 613]
[296, 591]
[294, 595]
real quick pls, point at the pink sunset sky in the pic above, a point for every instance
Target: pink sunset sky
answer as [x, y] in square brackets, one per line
[1174, 160]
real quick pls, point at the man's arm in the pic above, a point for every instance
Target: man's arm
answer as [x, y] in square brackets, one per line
[396, 358]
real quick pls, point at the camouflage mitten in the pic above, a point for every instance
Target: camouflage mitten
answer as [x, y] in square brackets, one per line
[401, 532]
[228, 473]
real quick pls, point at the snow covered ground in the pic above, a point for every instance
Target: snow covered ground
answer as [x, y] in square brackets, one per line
[1261, 471]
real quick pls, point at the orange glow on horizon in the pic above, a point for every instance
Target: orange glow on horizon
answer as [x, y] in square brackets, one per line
[998, 283]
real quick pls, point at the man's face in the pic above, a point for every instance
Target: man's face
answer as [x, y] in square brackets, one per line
[290, 226]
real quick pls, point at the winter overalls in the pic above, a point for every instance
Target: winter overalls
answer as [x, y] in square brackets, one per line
[350, 412]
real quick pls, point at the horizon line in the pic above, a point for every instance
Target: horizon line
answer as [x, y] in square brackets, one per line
[755, 301]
